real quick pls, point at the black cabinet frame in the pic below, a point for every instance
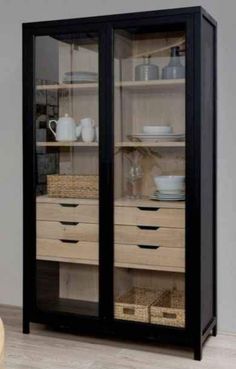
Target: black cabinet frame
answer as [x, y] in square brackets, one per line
[201, 295]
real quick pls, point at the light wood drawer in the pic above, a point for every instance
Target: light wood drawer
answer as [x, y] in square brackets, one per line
[160, 258]
[150, 216]
[67, 231]
[150, 235]
[75, 252]
[67, 212]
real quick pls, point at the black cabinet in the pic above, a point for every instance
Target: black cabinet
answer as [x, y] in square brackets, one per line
[119, 134]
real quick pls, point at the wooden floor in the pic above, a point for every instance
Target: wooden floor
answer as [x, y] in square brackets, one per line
[45, 349]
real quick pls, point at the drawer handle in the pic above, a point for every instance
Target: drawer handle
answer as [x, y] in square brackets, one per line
[70, 223]
[69, 205]
[151, 228]
[144, 208]
[169, 315]
[151, 247]
[69, 241]
[128, 311]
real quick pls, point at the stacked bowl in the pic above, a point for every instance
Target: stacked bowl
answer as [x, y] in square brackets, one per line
[169, 188]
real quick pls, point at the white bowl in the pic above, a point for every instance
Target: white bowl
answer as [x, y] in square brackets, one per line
[158, 130]
[170, 184]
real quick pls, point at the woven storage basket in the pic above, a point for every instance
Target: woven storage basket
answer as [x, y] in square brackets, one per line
[135, 304]
[168, 309]
[74, 186]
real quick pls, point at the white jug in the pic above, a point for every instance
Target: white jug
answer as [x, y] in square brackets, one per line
[66, 129]
[87, 129]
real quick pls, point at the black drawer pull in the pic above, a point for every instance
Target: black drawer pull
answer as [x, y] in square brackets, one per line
[144, 208]
[150, 247]
[69, 241]
[70, 223]
[153, 228]
[69, 205]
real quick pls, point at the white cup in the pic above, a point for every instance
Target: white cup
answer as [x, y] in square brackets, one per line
[87, 129]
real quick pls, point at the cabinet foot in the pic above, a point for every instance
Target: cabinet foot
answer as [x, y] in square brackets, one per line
[198, 353]
[214, 331]
[26, 327]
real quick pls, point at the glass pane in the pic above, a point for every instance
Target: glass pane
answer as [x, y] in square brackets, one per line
[66, 125]
[149, 271]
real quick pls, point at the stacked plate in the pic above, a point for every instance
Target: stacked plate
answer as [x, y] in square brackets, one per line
[167, 197]
[169, 188]
[80, 77]
[159, 137]
[157, 132]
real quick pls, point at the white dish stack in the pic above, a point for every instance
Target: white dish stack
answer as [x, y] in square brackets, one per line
[169, 188]
[156, 133]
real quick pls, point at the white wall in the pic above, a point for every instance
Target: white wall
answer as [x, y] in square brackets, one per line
[12, 14]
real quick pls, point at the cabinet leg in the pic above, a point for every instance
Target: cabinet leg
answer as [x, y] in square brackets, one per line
[214, 331]
[198, 352]
[26, 327]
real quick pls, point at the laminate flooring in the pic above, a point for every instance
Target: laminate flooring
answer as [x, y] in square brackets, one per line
[46, 349]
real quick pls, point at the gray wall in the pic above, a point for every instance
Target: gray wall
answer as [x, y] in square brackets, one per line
[12, 14]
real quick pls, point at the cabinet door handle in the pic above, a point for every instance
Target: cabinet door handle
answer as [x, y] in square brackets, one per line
[69, 241]
[150, 247]
[151, 228]
[69, 205]
[145, 208]
[70, 223]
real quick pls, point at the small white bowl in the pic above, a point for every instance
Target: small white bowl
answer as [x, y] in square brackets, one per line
[157, 130]
[170, 184]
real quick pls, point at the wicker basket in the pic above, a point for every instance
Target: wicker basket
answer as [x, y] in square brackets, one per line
[135, 304]
[73, 186]
[168, 309]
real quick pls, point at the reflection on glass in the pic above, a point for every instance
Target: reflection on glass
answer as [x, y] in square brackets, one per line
[66, 125]
[149, 271]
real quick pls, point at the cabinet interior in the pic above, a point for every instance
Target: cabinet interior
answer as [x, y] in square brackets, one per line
[72, 281]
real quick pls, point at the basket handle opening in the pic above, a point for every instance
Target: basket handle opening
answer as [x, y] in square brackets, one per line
[169, 315]
[129, 311]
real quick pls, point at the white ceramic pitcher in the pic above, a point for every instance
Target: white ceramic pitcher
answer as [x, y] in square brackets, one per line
[66, 129]
[87, 129]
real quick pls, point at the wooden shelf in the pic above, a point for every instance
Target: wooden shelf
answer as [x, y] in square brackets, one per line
[67, 144]
[71, 306]
[144, 201]
[169, 84]
[118, 144]
[68, 86]
[151, 144]
[131, 85]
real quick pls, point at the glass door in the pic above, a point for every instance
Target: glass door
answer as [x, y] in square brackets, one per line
[67, 140]
[149, 102]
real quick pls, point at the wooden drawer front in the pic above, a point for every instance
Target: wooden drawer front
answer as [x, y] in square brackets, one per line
[150, 235]
[68, 212]
[150, 216]
[78, 252]
[161, 258]
[67, 231]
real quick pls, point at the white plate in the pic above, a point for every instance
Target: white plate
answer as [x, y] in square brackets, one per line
[75, 77]
[166, 137]
[157, 198]
[166, 197]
